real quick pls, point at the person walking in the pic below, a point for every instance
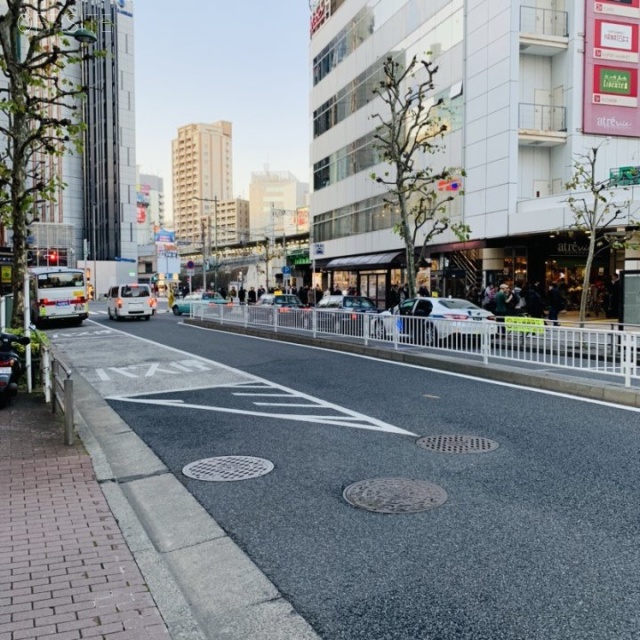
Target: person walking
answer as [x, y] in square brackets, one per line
[554, 301]
[251, 296]
[242, 294]
[170, 299]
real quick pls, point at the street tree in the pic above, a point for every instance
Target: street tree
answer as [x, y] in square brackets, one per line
[599, 214]
[409, 135]
[40, 118]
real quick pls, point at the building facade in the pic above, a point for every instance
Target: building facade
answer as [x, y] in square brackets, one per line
[150, 215]
[518, 82]
[274, 197]
[202, 168]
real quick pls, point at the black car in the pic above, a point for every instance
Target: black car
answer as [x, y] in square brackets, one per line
[282, 308]
[344, 314]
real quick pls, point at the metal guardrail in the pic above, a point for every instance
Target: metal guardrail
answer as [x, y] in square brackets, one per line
[541, 117]
[58, 389]
[547, 22]
[588, 349]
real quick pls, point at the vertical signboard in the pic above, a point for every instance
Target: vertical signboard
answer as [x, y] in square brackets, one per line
[612, 52]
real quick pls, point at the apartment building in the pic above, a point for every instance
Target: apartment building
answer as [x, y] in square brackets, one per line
[530, 85]
[202, 168]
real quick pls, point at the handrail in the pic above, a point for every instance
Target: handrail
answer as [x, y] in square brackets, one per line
[60, 391]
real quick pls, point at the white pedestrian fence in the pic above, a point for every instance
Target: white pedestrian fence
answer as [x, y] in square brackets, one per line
[591, 348]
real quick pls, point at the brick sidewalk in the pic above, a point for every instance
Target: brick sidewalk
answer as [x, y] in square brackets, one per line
[65, 569]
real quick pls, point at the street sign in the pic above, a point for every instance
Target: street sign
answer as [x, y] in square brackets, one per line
[190, 264]
[191, 272]
[286, 270]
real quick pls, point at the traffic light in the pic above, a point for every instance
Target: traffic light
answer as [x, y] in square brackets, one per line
[52, 258]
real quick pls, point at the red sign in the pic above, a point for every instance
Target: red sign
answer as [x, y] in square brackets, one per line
[616, 41]
[623, 8]
[612, 52]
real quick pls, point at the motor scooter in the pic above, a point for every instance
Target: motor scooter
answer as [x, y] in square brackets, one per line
[10, 366]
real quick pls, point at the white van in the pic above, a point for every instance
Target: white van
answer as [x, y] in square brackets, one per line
[130, 301]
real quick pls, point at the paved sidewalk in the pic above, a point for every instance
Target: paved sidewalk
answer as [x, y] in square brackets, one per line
[65, 569]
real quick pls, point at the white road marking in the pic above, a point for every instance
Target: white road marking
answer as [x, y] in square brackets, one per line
[464, 376]
[268, 395]
[283, 404]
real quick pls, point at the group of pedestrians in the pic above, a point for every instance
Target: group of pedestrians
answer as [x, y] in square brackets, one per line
[527, 299]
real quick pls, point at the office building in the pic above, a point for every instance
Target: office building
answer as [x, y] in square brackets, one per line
[527, 89]
[150, 207]
[202, 167]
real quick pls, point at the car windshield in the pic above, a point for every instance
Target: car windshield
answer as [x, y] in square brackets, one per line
[291, 300]
[135, 292]
[211, 296]
[456, 303]
[359, 302]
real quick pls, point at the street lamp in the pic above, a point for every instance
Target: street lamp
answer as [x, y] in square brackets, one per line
[215, 241]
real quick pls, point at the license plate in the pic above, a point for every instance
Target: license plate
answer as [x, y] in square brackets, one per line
[5, 370]
[62, 303]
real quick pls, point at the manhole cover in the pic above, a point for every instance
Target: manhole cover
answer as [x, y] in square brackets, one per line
[227, 468]
[457, 444]
[395, 495]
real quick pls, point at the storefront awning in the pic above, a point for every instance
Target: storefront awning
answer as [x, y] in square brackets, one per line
[361, 262]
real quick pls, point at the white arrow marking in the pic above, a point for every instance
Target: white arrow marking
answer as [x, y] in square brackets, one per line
[155, 367]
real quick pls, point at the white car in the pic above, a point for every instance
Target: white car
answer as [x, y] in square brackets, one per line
[428, 321]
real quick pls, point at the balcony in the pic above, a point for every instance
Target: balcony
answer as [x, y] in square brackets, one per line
[542, 125]
[543, 32]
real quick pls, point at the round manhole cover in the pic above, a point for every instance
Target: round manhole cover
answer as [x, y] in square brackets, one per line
[395, 495]
[227, 468]
[457, 444]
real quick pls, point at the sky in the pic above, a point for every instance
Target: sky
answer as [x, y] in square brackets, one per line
[244, 61]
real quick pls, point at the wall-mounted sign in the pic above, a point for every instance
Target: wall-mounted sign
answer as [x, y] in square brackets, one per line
[612, 53]
[615, 86]
[623, 8]
[616, 41]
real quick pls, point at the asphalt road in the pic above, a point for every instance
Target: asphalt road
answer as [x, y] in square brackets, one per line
[537, 539]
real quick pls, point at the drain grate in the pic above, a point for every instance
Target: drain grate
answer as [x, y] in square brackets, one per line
[227, 468]
[394, 495]
[457, 444]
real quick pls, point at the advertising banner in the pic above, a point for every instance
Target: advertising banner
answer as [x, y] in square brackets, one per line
[612, 53]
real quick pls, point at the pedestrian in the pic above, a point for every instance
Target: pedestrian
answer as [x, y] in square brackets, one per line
[393, 297]
[170, 299]
[534, 303]
[251, 296]
[261, 291]
[242, 294]
[613, 303]
[503, 300]
[303, 294]
[489, 298]
[233, 293]
[554, 302]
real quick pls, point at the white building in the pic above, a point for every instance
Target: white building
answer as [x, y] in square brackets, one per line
[518, 78]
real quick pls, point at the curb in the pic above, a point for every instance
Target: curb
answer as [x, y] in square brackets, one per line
[204, 585]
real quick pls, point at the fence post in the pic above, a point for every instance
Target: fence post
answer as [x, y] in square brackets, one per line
[68, 411]
[45, 365]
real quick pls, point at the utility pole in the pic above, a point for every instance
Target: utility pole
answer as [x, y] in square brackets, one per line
[215, 241]
[204, 254]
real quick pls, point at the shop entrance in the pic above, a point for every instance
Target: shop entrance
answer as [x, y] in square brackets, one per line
[373, 284]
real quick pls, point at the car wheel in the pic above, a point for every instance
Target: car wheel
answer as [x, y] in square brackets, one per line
[148, 317]
[377, 330]
[430, 335]
[176, 311]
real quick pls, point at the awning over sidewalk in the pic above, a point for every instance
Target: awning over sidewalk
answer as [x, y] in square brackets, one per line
[372, 260]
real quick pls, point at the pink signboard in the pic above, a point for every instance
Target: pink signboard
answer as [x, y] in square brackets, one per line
[611, 68]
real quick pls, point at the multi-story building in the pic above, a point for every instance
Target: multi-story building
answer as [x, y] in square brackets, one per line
[274, 198]
[150, 207]
[94, 214]
[530, 85]
[202, 167]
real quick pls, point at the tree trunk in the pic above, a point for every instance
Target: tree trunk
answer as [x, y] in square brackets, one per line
[410, 254]
[587, 277]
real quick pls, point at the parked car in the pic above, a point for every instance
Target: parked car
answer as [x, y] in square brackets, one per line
[289, 308]
[183, 305]
[344, 314]
[427, 321]
[130, 301]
